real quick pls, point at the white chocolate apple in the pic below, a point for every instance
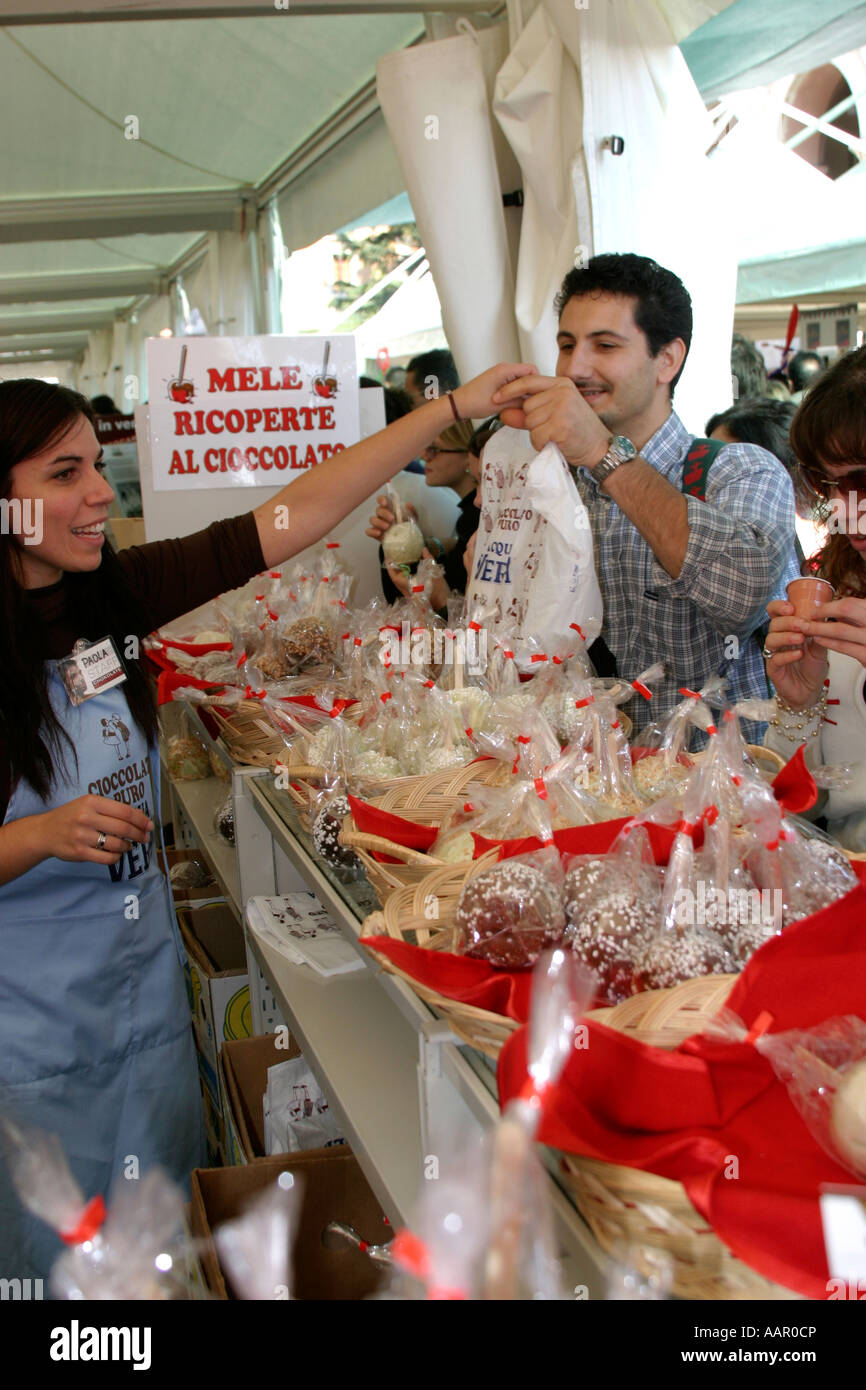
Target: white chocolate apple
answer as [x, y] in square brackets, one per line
[403, 543]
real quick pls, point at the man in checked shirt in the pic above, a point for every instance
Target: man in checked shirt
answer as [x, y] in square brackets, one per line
[684, 581]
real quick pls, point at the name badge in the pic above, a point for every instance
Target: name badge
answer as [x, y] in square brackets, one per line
[91, 669]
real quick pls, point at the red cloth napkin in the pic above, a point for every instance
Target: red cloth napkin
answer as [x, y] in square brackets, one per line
[373, 821]
[712, 1115]
[468, 981]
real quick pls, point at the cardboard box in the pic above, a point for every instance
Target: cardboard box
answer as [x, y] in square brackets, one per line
[214, 943]
[334, 1189]
[197, 897]
[243, 1069]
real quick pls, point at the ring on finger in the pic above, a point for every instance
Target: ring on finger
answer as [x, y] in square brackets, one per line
[100, 840]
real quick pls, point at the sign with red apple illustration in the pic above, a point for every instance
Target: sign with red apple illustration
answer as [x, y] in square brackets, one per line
[251, 412]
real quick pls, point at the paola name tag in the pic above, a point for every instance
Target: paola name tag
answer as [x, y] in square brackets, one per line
[91, 669]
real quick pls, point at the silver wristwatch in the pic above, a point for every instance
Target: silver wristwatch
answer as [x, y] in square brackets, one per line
[619, 450]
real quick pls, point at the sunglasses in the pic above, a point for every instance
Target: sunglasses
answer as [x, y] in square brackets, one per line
[826, 486]
[433, 451]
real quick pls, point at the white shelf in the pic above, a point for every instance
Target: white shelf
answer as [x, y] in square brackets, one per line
[199, 801]
[363, 1053]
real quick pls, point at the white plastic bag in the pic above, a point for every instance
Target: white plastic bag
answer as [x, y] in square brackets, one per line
[297, 1115]
[534, 564]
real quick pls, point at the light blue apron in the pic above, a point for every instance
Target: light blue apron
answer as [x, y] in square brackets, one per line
[95, 1038]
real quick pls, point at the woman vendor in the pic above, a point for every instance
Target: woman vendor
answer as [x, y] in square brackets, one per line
[817, 667]
[95, 1038]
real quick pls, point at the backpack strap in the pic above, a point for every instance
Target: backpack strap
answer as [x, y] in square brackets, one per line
[697, 465]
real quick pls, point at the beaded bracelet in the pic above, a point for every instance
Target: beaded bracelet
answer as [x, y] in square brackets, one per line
[807, 715]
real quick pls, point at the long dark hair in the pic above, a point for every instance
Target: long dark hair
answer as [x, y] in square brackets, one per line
[830, 427]
[33, 416]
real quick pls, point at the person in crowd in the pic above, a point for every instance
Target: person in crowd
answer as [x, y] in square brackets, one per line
[813, 663]
[95, 1041]
[431, 374]
[777, 386]
[767, 422]
[103, 405]
[395, 377]
[450, 461]
[748, 369]
[685, 579]
[804, 369]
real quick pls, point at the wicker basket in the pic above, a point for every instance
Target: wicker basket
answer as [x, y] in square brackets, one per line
[634, 1214]
[406, 916]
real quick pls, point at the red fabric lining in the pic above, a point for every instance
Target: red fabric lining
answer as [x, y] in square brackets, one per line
[687, 1114]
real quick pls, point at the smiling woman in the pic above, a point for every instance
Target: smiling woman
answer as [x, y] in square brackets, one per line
[95, 1039]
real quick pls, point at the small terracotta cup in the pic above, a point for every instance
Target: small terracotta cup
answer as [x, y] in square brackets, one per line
[808, 594]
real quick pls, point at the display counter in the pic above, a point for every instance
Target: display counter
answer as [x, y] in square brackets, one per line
[407, 1091]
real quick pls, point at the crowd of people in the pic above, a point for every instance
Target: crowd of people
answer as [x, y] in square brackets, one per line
[94, 1029]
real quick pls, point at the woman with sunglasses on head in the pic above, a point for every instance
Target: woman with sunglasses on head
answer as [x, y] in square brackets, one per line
[811, 663]
[95, 1040]
[452, 460]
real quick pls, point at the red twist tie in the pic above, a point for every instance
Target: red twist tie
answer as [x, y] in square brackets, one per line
[523, 738]
[540, 656]
[385, 696]
[711, 729]
[557, 660]
[579, 630]
[260, 598]
[332, 545]
[615, 724]
[89, 1223]
[468, 732]
[642, 689]
[468, 807]
[240, 661]
[830, 721]
[710, 814]
[690, 694]
[262, 626]
[272, 615]
[341, 603]
[417, 588]
[278, 574]
[293, 596]
[759, 1027]
[736, 780]
[541, 788]
[357, 642]
[827, 681]
[508, 655]
[728, 716]
[588, 700]
[832, 702]
[473, 626]
[345, 637]
[533, 1094]
[429, 684]
[250, 694]
[410, 1253]
[684, 827]
[772, 844]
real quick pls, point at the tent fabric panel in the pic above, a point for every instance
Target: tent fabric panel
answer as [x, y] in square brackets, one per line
[359, 173]
[821, 270]
[752, 42]
[447, 153]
